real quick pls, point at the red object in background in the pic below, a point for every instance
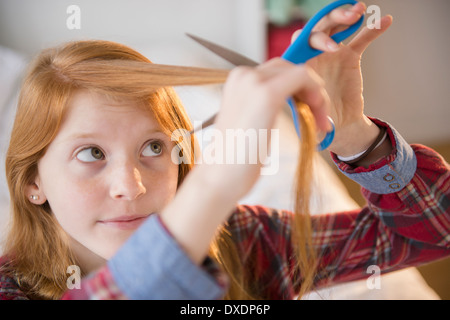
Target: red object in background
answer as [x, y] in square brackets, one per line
[279, 37]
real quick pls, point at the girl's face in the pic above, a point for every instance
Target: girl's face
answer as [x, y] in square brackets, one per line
[107, 170]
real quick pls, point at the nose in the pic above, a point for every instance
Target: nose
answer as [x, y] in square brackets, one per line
[126, 183]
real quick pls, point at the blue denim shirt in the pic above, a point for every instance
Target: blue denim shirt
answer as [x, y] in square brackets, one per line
[151, 265]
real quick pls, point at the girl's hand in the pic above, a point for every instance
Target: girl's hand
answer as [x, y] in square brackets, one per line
[252, 98]
[340, 67]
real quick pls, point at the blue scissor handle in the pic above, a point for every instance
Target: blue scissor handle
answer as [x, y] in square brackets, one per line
[300, 51]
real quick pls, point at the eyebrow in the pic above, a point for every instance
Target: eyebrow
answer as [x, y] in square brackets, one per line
[90, 135]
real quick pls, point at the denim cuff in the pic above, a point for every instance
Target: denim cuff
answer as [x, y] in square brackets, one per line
[151, 265]
[389, 174]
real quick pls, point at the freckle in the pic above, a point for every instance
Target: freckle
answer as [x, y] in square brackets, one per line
[88, 188]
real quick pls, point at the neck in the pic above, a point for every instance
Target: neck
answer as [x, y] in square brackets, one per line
[87, 260]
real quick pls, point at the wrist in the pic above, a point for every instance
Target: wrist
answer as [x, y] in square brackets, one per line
[355, 138]
[384, 149]
[195, 213]
[359, 156]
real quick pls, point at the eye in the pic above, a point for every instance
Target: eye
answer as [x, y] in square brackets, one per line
[90, 155]
[153, 149]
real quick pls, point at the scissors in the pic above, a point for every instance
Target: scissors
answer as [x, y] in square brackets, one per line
[298, 52]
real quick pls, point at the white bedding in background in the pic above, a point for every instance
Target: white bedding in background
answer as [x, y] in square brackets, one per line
[12, 65]
[271, 190]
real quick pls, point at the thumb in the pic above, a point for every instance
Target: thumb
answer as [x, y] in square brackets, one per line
[367, 35]
[295, 35]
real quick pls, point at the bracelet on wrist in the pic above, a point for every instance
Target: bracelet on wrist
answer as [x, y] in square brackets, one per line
[359, 156]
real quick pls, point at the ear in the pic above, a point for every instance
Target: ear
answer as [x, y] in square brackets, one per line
[34, 192]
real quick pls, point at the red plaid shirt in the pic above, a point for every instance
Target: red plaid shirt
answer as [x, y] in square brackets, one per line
[395, 230]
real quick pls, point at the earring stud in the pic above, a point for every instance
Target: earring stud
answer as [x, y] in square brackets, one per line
[34, 197]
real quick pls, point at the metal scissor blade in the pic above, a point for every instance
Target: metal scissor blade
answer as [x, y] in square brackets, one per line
[231, 56]
[205, 124]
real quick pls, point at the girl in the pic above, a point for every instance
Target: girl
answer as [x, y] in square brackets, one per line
[93, 185]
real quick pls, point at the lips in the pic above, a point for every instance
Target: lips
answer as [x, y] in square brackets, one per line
[125, 222]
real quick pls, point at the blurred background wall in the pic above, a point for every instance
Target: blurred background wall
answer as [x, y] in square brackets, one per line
[29, 25]
[406, 72]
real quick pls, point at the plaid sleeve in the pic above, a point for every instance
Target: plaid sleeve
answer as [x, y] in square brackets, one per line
[408, 226]
[405, 223]
[9, 290]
